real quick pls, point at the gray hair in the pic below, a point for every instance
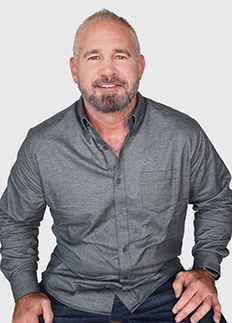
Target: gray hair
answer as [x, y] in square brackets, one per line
[103, 14]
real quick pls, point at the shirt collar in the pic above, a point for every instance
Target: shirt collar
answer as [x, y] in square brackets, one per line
[137, 115]
[132, 122]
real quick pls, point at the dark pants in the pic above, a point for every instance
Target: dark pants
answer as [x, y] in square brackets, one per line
[156, 309]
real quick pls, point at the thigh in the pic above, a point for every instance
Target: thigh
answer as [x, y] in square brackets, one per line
[65, 314]
[158, 308]
[208, 318]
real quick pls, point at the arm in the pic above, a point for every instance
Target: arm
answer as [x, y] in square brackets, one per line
[212, 202]
[22, 208]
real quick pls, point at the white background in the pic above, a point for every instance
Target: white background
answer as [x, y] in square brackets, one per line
[187, 46]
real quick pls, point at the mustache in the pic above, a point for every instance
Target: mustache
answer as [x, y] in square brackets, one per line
[109, 80]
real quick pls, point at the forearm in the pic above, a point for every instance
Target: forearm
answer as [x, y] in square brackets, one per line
[22, 209]
[211, 198]
[19, 255]
[213, 228]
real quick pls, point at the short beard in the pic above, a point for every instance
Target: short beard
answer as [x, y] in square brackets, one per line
[109, 102]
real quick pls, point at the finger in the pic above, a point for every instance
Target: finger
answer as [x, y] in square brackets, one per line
[188, 308]
[200, 312]
[178, 284]
[205, 308]
[217, 311]
[184, 300]
[48, 313]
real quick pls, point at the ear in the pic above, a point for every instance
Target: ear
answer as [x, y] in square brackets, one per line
[73, 68]
[142, 64]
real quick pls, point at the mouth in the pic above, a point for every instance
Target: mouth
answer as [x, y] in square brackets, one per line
[109, 84]
[108, 87]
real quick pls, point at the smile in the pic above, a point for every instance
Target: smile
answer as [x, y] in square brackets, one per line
[107, 85]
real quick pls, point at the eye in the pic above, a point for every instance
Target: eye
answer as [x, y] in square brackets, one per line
[121, 57]
[93, 58]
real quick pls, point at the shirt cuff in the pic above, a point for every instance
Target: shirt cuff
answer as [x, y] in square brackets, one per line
[24, 283]
[207, 259]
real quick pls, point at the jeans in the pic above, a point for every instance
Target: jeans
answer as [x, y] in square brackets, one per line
[156, 309]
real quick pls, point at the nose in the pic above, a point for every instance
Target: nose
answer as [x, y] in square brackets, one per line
[107, 68]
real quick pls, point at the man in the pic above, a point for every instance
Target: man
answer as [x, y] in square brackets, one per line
[117, 171]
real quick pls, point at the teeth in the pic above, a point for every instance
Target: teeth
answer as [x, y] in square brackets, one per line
[107, 86]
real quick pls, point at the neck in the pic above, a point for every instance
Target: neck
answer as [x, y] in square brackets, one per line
[111, 126]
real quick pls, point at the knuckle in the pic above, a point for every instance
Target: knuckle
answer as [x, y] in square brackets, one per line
[198, 284]
[205, 290]
[180, 275]
[51, 316]
[217, 306]
[194, 303]
[201, 313]
[175, 285]
[207, 308]
[184, 313]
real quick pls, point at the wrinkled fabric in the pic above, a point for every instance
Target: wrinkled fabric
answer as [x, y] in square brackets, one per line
[119, 222]
[157, 308]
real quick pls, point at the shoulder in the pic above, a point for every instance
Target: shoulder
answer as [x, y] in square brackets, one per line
[56, 120]
[52, 128]
[171, 121]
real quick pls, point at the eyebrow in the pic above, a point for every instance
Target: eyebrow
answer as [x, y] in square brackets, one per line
[116, 50]
[123, 51]
[91, 52]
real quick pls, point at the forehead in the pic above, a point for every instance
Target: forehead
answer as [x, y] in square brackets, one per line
[105, 33]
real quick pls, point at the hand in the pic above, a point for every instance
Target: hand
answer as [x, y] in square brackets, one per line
[200, 292]
[30, 306]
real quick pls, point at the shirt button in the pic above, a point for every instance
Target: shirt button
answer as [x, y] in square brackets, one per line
[125, 278]
[118, 181]
[124, 249]
[105, 147]
[121, 215]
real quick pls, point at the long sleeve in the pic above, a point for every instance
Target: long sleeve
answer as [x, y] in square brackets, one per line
[22, 208]
[212, 202]
[125, 215]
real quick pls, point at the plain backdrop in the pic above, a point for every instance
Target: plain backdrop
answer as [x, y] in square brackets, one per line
[187, 46]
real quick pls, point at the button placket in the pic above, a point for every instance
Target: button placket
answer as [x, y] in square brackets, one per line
[121, 224]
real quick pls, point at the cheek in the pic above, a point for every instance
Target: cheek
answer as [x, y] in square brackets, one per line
[85, 77]
[130, 73]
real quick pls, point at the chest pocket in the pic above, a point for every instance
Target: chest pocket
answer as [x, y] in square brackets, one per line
[158, 190]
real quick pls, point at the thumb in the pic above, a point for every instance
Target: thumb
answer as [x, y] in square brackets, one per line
[47, 312]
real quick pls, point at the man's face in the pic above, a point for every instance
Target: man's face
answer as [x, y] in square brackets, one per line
[107, 70]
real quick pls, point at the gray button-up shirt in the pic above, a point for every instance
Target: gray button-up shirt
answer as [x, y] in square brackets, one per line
[119, 223]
